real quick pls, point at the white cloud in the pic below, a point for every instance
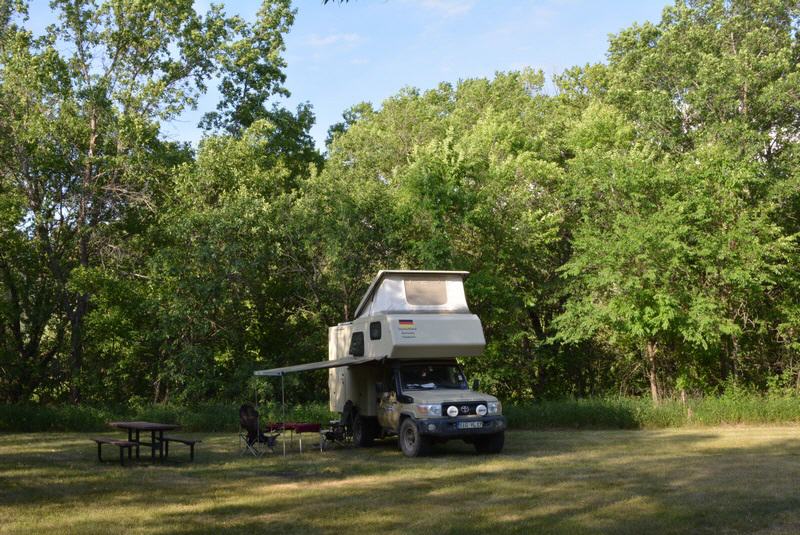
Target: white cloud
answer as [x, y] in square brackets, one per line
[334, 39]
[448, 8]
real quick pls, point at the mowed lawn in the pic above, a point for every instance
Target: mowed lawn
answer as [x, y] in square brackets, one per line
[720, 480]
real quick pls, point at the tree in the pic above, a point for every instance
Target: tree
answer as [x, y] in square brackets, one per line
[635, 231]
[251, 69]
[699, 171]
[452, 178]
[79, 124]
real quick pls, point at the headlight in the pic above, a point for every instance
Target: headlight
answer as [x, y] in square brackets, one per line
[452, 411]
[425, 409]
[495, 407]
[480, 410]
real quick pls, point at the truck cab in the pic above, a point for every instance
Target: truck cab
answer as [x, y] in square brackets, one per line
[426, 402]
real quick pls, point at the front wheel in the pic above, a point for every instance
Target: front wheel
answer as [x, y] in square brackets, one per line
[490, 443]
[412, 442]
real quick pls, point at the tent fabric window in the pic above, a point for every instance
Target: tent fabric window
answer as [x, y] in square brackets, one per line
[425, 292]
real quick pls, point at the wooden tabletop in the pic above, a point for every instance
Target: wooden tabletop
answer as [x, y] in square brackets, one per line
[144, 426]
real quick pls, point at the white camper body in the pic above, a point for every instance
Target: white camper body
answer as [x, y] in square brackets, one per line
[420, 315]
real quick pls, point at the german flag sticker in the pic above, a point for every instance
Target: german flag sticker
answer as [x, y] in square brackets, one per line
[406, 324]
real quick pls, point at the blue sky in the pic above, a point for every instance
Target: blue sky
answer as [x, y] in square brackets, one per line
[366, 50]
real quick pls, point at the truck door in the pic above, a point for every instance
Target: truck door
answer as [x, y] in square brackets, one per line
[389, 408]
[388, 411]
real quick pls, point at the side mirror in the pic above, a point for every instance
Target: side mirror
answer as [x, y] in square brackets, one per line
[476, 384]
[379, 388]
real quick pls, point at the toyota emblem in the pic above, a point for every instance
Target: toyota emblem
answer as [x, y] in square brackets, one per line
[464, 409]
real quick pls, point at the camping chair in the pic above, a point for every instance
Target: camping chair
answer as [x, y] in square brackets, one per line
[250, 435]
[335, 434]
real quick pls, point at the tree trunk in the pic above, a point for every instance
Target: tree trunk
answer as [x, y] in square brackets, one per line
[539, 380]
[650, 353]
[156, 390]
[83, 225]
[76, 321]
[724, 358]
[346, 308]
[76, 346]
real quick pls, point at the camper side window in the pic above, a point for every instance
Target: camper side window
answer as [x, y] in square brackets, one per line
[375, 330]
[357, 344]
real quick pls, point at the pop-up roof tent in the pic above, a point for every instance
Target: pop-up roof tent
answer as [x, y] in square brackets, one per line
[415, 292]
[416, 314]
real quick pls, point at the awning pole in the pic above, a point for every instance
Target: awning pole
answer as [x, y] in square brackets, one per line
[258, 420]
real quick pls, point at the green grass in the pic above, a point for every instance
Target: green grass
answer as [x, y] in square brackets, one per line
[705, 480]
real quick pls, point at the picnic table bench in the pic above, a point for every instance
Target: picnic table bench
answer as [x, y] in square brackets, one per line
[121, 444]
[189, 442]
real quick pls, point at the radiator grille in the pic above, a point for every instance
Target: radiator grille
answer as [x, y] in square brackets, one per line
[465, 408]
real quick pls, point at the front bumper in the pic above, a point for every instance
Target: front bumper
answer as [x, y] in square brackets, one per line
[448, 427]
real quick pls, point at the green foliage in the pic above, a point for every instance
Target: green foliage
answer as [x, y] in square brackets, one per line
[596, 413]
[636, 231]
[35, 418]
[639, 413]
[680, 249]
[733, 408]
[252, 68]
[90, 186]
[200, 417]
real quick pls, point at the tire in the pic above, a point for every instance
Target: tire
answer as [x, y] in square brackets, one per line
[363, 431]
[490, 443]
[412, 442]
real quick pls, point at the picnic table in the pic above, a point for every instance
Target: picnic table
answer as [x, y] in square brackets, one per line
[153, 428]
[294, 428]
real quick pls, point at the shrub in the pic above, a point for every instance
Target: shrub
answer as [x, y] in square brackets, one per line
[204, 417]
[734, 407]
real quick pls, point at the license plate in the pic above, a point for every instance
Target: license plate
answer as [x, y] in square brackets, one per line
[470, 425]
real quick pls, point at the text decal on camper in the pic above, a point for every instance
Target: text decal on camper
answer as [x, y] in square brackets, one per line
[407, 328]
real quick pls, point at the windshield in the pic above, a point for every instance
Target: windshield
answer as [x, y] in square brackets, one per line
[432, 377]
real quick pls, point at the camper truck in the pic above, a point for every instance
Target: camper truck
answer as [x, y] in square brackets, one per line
[393, 369]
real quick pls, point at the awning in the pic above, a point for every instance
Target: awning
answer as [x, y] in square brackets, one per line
[347, 361]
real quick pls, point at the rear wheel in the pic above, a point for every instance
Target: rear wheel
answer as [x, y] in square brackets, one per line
[363, 431]
[490, 443]
[412, 442]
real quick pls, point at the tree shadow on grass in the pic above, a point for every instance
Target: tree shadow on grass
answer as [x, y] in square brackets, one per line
[630, 487]
[68, 467]
[587, 481]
